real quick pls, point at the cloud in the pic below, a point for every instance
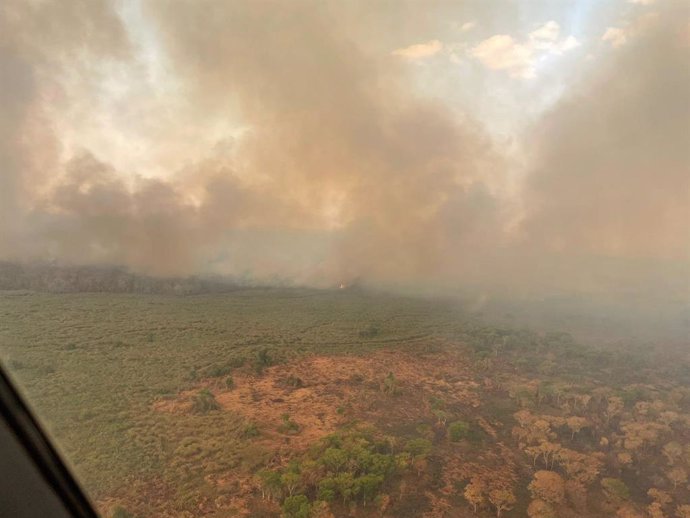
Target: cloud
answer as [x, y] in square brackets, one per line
[502, 52]
[519, 59]
[619, 36]
[468, 26]
[419, 50]
[545, 36]
[616, 36]
[641, 2]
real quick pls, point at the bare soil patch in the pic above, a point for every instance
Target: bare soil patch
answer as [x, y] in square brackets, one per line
[321, 393]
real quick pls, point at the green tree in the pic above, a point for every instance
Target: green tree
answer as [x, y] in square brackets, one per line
[271, 484]
[297, 506]
[345, 485]
[458, 430]
[366, 486]
[418, 447]
[334, 459]
[291, 482]
[328, 489]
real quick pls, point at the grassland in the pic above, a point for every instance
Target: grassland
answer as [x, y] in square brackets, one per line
[93, 363]
[116, 378]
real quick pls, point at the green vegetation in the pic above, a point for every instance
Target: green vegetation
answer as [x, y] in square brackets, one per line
[615, 489]
[288, 425]
[250, 430]
[390, 384]
[369, 332]
[458, 430]
[293, 381]
[121, 512]
[262, 360]
[349, 467]
[296, 507]
[204, 402]
[286, 401]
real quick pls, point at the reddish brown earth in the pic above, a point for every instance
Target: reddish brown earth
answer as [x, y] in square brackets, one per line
[333, 391]
[336, 389]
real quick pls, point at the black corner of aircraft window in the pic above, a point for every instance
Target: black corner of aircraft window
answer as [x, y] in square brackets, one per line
[34, 481]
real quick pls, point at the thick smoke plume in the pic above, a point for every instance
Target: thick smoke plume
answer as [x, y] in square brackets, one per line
[338, 167]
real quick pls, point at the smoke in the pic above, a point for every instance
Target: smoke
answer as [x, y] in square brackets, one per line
[611, 161]
[291, 148]
[608, 189]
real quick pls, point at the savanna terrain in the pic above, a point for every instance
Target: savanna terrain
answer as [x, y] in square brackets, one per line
[316, 403]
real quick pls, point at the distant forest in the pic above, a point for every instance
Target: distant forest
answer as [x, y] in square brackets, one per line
[110, 279]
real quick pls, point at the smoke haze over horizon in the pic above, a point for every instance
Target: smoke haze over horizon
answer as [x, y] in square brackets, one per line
[506, 146]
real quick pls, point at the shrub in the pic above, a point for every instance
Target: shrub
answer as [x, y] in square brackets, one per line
[390, 384]
[615, 489]
[437, 403]
[369, 332]
[262, 360]
[216, 371]
[236, 363]
[356, 378]
[121, 512]
[418, 447]
[288, 425]
[293, 381]
[229, 382]
[458, 430]
[250, 430]
[204, 402]
[15, 365]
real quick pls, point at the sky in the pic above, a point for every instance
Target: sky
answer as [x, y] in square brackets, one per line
[503, 144]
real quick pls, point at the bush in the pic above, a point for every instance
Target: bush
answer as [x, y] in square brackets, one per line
[356, 378]
[121, 512]
[216, 371]
[437, 403]
[417, 447]
[615, 489]
[293, 381]
[288, 425]
[236, 363]
[390, 384]
[369, 332]
[15, 365]
[250, 430]
[458, 430]
[204, 402]
[262, 360]
[229, 382]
